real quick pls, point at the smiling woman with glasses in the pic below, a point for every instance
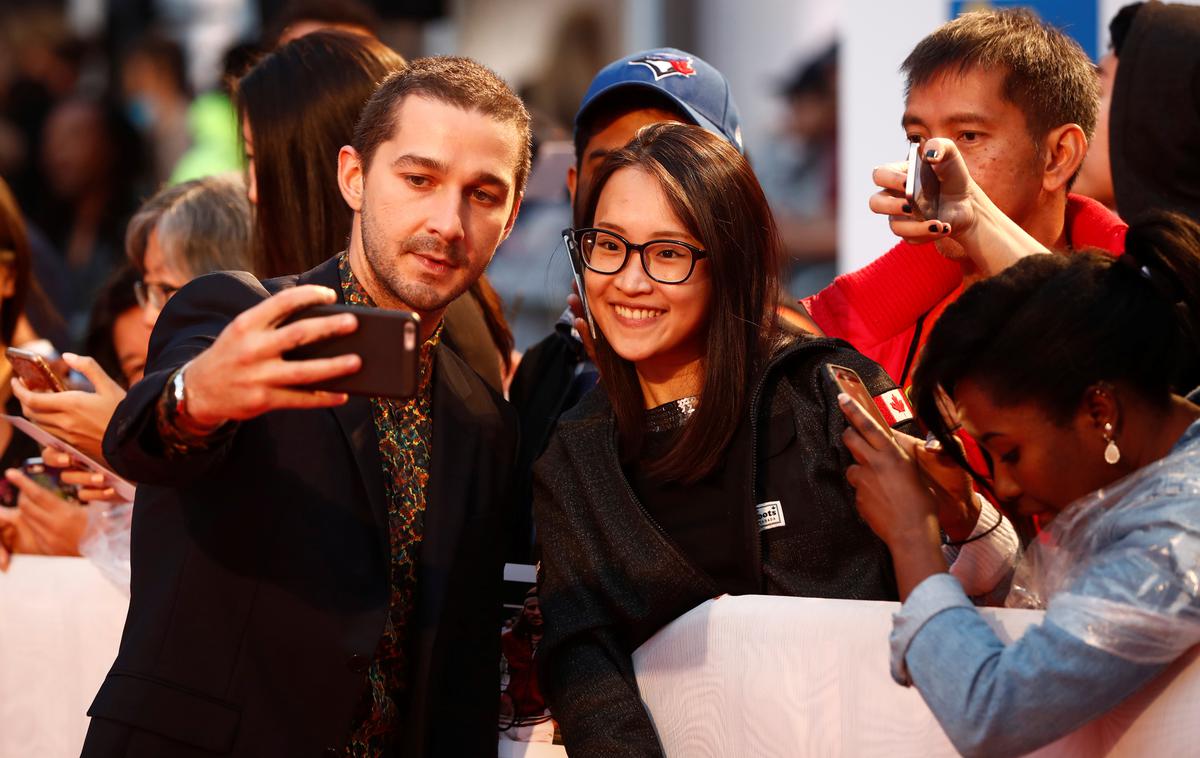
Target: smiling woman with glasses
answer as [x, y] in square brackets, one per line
[709, 460]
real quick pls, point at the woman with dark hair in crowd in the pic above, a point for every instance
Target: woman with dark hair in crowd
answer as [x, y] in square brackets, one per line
[298, 107]
[118, 335]
[183, 232]
[1065, 369]
[29, 527]
[645, 500]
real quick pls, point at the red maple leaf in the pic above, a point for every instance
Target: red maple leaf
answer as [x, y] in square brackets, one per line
[683, 67]
[897, 404]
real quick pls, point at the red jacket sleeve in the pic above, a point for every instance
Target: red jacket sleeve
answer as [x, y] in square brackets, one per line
[885, 297]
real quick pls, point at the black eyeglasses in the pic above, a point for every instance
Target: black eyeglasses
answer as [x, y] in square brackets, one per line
[664, 261]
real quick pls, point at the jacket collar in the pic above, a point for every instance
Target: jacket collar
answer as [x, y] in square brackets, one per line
[459, 404]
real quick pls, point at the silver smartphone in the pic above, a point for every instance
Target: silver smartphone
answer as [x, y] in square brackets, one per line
[922, 188]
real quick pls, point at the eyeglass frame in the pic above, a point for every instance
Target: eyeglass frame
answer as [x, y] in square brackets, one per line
[142, 292]
[576, 236]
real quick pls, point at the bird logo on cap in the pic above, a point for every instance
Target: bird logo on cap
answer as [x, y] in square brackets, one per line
[663, 66]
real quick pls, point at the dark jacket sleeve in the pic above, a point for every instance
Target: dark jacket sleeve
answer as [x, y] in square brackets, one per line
[872, 374]
[190, 322]
[586, 670]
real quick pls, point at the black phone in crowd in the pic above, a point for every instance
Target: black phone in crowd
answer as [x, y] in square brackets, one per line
[388, 341]
[577, 269]
[922, 188]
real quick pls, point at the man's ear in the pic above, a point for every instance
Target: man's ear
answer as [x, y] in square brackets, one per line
[572, 178]
[512, 217]
[351, 176]
[1064, 149]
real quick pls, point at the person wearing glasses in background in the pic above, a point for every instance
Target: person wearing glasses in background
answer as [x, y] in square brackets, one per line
[182, 232]
[710, 459]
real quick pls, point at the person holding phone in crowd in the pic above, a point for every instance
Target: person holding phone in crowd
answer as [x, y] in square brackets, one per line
[710, 459]
[314, 571]
[1020, 99]
[182, 232]
[1066, 370]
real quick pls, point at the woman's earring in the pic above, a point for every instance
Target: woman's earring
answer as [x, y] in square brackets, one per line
[1112, 453]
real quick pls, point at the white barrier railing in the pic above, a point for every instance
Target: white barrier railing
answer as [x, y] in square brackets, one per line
[743, 676]
[781, 676]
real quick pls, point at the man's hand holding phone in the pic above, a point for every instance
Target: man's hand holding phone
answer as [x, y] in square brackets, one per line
[244, 373]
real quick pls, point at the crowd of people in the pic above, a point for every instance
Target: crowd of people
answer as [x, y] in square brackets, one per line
[312, 568]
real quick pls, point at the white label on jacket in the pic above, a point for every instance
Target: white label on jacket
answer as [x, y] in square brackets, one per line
[770, 515]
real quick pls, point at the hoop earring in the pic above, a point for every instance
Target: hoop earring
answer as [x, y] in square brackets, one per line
[1112, 453]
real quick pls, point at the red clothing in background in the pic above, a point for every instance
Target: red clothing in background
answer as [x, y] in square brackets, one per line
[877, 308]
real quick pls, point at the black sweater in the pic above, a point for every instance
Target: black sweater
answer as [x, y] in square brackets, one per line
[610, 578]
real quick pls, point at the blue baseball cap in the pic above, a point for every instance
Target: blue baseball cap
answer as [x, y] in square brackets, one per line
[695, 87]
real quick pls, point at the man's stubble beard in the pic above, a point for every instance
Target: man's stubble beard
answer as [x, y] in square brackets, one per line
[385, 265]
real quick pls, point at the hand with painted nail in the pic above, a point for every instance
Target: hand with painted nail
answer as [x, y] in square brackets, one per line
[958, 508]
[76, 417]
[892, 496]
[956, 201]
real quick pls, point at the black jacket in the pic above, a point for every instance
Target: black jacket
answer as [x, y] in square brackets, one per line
[611, 579]
[260, 568]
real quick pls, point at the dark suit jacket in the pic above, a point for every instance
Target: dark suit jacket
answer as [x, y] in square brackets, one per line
[260, 567]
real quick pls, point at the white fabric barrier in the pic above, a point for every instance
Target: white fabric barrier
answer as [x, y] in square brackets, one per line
[60, 625]
[782, 676]
[760, 676]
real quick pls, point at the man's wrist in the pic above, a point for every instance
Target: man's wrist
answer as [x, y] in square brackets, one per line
[179, 430]
[184, 418]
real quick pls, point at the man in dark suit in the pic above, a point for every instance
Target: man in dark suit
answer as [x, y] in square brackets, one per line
[315, 574]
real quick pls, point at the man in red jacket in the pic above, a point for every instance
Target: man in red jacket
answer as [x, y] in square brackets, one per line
[1020, 99]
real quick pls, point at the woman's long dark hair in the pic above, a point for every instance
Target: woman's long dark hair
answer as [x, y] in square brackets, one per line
[1049, 327]
[714, 192]
[302, 102]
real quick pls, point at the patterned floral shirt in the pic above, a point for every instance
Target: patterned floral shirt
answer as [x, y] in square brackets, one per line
[405, 432]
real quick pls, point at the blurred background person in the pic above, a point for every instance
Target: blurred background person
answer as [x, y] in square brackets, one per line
[93, 165]
[184, 231]
[156, 94]
[118, 336]
[15, 286]
[300, 17]
[798, 171]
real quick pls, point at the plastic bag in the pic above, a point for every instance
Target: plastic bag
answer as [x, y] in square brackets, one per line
[105, 542]
[1120, 568]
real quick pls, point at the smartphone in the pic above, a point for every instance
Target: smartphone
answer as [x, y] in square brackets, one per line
[922, 188]
[124, 489]
[577, 269]
[848, 381]
[388, 341]
[34, 371]
[50, 478]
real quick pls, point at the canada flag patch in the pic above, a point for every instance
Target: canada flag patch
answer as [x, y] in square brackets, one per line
[663, 66]
[894, 407]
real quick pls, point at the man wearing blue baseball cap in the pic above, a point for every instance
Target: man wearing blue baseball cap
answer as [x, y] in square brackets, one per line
[645, 88]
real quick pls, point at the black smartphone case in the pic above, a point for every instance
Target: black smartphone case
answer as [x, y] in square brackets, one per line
[389, 343]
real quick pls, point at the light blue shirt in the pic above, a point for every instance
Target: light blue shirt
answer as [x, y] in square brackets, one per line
[994, 699]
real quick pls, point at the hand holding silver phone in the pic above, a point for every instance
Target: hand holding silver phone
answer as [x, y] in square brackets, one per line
[922, 188]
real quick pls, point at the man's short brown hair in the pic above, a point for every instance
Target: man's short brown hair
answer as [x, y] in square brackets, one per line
[457, 81]
[1048, 76]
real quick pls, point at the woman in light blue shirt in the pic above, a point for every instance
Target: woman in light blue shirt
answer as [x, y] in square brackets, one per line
[1070, 372]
